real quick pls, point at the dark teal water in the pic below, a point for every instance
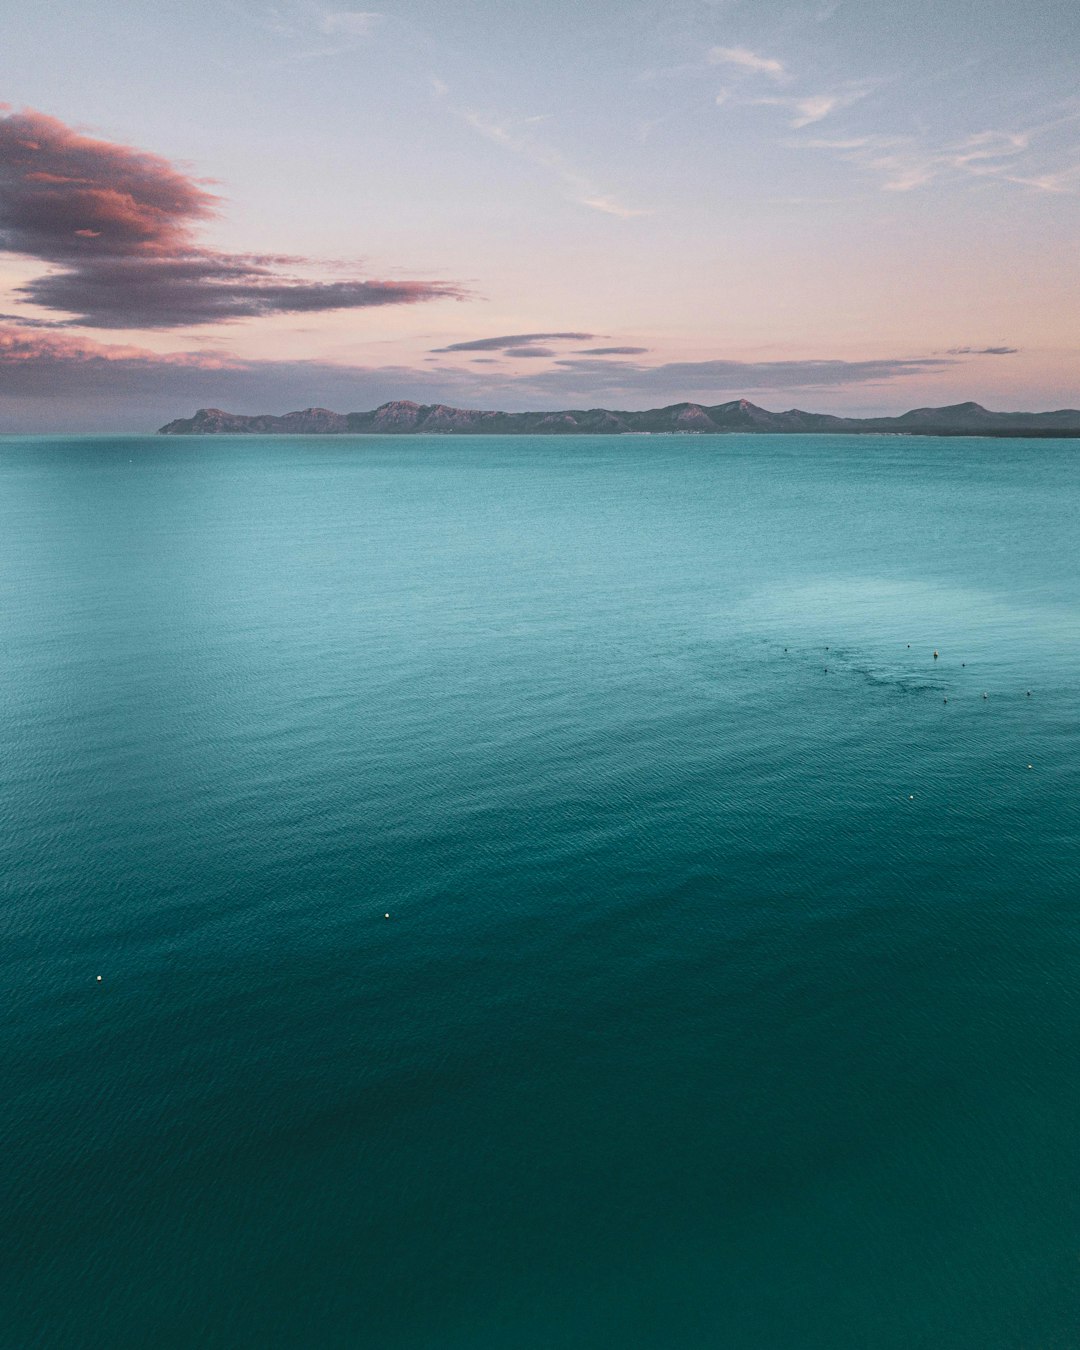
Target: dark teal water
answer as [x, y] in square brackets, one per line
[724, 1002]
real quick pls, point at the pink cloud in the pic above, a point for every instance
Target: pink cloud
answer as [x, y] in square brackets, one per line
[22, 345]
[121, 225]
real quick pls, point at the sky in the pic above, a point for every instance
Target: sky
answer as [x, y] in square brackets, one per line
[851, 206]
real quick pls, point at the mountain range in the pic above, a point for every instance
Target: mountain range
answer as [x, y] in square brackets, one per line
[402, 417]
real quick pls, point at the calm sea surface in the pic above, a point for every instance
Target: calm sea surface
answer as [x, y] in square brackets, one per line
[730, 994]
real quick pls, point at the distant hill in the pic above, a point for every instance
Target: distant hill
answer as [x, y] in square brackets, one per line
[402, 417]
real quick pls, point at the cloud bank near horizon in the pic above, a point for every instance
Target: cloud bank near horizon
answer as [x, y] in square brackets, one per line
[117, 227]
[81, 375]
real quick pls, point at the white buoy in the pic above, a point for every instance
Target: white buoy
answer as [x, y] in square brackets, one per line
[99, 977]
[911, 797]
[386, 916]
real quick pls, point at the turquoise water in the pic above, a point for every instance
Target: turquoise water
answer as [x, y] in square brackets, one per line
[725, 1001]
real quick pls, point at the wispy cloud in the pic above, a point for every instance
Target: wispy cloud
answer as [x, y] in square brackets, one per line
[814, 109]
[743, 65]
[351, 23]
[608, 206]
[905, 163]
[1044, 157]
[312, 33]
[837, 143]
[1064, 181]
[806, 109]
[817, 107]
[744, 59]
[512, 137]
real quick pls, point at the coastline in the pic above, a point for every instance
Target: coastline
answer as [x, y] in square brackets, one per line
[403, 417]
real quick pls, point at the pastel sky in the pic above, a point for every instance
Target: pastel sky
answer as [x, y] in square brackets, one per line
[846, 205]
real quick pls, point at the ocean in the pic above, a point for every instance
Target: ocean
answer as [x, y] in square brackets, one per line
[540, 894]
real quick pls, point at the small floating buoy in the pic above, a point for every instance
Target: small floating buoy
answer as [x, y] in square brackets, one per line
[911, 797]
[1029, 693]
[1031, 766]
[984, 695]
[99, 977]
[935, 656]
[963, 663]
[944, 700]
[386, 916]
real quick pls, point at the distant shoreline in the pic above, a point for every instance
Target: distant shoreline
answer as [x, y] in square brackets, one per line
[404, 418]
[944, 433]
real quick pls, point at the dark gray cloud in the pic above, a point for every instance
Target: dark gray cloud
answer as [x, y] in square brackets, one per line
[983, 351]
[709, 379]
[159, 293]
[118, 225]
[494, 344]
[611, 351]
